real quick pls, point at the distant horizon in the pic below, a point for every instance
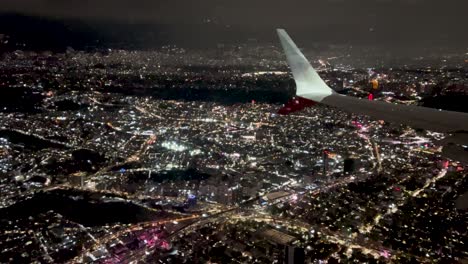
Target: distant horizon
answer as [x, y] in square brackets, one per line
[214, 32]
[42, 34]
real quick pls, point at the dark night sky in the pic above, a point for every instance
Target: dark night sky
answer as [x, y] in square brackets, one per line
[375, 22]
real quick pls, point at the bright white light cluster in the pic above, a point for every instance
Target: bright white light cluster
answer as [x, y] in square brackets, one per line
[195, 152]
[173, 146]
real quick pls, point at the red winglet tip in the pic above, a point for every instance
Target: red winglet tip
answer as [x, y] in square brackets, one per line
[296, 104]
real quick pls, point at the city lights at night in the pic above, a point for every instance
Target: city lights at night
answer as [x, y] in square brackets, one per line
[233, 132]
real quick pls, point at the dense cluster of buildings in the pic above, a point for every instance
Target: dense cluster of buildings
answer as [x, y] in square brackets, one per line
[193, 162]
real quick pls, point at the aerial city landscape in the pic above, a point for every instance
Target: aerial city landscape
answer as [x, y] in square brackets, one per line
[174, 154]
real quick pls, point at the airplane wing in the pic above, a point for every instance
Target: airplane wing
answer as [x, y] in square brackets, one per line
[311, 89]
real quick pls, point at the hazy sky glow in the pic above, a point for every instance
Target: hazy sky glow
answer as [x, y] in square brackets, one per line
[246, 12]
[376, 21]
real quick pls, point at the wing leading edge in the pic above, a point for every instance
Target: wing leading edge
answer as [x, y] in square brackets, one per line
[309, 86]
